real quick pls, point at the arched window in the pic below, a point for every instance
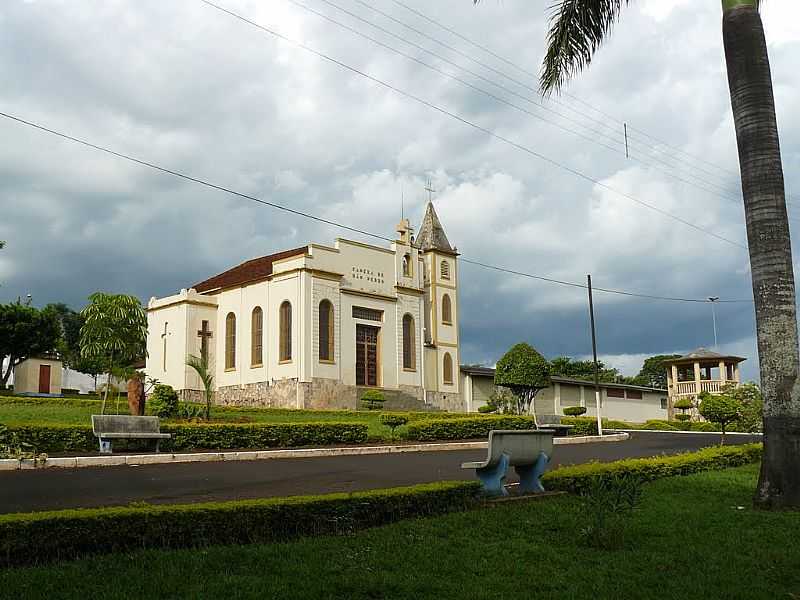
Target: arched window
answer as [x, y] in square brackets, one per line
[230, 341]
[444, 269]
[326, 331]
[257, 337]
[286, 331]
[407, 265]
[447, 371]
[409, 344]
[447, 310]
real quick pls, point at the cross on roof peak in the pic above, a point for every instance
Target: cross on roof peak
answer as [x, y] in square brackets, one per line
[429, 189]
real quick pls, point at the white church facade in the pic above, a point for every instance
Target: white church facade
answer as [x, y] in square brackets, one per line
[315, 326]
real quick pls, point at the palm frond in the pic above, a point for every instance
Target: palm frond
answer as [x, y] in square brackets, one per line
[577, 28]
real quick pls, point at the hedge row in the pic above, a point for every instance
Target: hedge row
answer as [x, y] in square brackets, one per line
[38, 537]
[464, 428]
[575, 478]
[51, 439]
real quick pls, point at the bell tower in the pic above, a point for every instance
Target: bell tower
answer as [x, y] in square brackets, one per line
[442, 356]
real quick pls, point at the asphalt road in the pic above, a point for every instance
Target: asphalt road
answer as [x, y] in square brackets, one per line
[51, 489]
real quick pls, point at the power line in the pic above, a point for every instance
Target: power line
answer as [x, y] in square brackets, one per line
[529, 73]
[703, 185]
[311, 216]
[469, 123]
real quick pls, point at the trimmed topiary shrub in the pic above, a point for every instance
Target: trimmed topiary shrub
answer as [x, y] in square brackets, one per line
[683, 417]
[523, 371]
[575, 411]
[46, 536]
[373, 399]
[393, 420]
[684, 404]
[487, 409]
[163, 401]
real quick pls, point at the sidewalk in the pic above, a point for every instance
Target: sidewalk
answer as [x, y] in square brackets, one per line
[12, 464]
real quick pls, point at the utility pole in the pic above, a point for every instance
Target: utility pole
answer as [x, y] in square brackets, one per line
[713, 300]
[627, 153]
[594, 357]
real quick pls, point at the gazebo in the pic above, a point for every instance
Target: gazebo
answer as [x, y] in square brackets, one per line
[700, 371]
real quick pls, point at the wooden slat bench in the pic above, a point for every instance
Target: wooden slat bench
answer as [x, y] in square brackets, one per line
[527, 451]
[107, 428]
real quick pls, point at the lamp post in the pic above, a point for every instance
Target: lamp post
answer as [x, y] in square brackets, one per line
[713, 300]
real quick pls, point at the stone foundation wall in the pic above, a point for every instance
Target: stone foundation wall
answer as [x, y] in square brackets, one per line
[280, 394]
[323, 394]
[329, 394]
[446, 401]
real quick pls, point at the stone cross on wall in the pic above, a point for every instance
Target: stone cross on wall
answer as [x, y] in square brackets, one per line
[204, 333]
[164, 341]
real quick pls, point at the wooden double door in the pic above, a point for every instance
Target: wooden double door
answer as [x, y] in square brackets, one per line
[367, 355]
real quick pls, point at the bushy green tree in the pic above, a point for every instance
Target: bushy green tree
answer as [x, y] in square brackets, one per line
[653, 372]
[752, 405]
[524, 372]
[720, 409]
[393, 421]
[25, 332]
[114, 333]
[564, 366]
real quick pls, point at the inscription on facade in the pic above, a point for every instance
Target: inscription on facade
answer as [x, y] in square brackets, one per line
[367, 275]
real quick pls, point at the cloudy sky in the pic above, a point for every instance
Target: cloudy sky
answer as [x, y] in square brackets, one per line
[193, 89]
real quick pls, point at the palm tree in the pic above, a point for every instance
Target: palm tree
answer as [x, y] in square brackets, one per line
[201, 367]
[577, 29]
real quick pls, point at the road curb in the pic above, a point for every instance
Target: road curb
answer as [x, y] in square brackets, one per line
[681, 431]
[167, 458]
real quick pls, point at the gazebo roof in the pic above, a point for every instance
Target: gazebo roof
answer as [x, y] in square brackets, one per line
[704, 355]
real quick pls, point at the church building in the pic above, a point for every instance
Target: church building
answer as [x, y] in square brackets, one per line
[316, 326]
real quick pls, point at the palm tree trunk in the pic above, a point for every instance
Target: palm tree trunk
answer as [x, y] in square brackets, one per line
[750, 83]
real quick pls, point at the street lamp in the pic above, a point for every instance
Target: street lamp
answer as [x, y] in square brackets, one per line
[713, 300]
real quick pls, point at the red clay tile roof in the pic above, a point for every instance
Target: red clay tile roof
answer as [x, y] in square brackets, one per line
[252, 270]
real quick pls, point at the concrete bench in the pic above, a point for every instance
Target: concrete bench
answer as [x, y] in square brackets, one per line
[107, 428]
[527, 451]
[554, 422]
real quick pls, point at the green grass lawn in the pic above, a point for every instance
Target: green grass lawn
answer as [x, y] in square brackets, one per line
[693, 537]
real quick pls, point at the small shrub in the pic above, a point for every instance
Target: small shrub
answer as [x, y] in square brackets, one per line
[487, 409]
[581, 426]
[163, 402]
[373, 399]
[575, 411]
[608, 502]
[658, 425]
[702, 426]
[684, 404]
[393, 421]
[465, 428]
[683, 417]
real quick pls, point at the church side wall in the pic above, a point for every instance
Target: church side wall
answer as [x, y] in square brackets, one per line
[283, 289]
[325, 289]
[175, 319]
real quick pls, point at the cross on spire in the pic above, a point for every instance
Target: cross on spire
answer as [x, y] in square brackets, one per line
[429, 189]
